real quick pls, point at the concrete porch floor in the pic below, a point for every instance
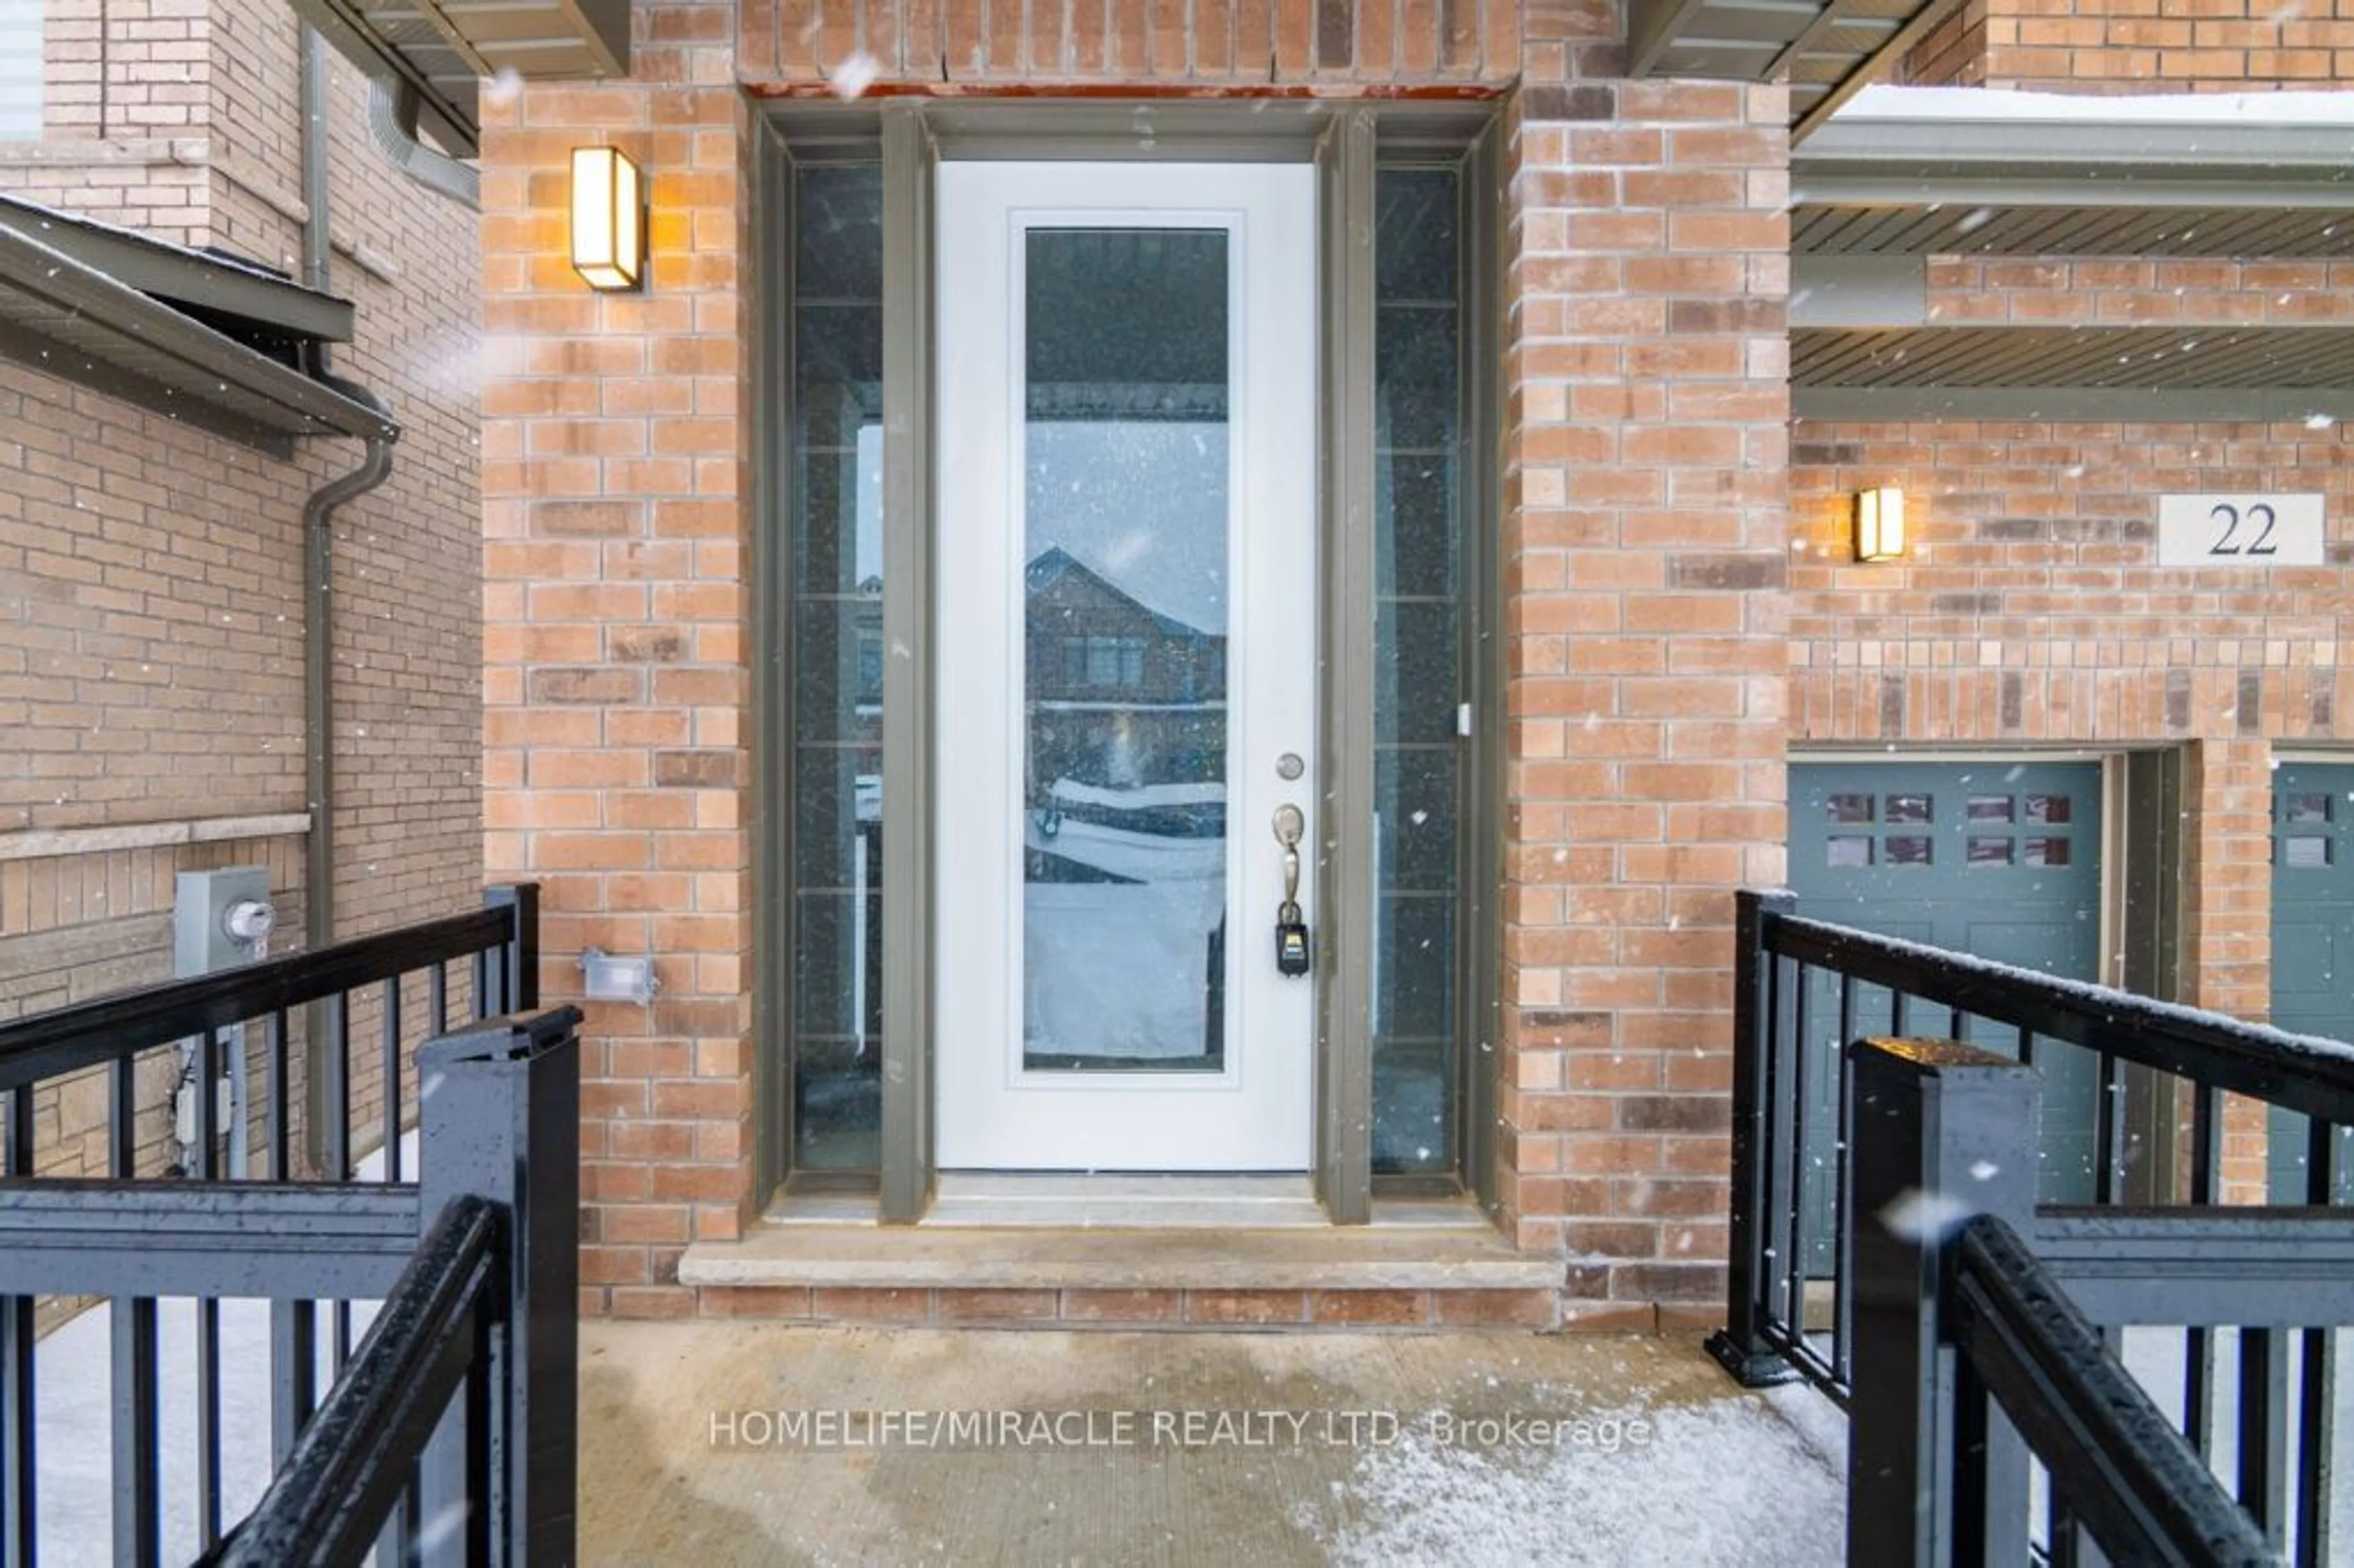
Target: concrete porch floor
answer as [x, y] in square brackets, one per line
[1108, 1447]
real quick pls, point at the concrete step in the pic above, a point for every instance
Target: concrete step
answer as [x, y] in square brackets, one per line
[1134, 1258]
[1182, 1255]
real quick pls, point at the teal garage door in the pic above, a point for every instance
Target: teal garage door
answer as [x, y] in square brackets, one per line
[2313, 935]
[1998, 859]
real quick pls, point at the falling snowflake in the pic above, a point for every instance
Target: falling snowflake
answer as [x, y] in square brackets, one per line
[1919, 1216]
[853, 76]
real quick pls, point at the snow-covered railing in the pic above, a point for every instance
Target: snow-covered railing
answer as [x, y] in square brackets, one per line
[310, 1248]
[2141, 1239]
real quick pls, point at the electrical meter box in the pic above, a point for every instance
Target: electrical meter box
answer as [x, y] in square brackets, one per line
[221, 919]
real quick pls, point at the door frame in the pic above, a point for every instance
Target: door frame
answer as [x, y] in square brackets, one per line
[1345, 142]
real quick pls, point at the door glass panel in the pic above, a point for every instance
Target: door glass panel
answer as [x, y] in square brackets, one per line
[1124, 711]
[2305, 854]
[1908, 809]
[2047, 809]
[1849, 808]
[1847, 852]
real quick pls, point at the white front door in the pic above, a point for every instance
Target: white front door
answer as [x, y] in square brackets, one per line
[1125, 664]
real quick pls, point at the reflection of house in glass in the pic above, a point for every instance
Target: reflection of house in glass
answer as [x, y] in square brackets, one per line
[1125, 836]
[1120, 695]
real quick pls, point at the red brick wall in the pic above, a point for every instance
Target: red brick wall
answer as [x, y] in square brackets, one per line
[2028, 607]
[616, 518]
[2137, 292]
[1954, 52]
[2141, 46]
[1645, 444]
[1644, 485]
[2029, 610]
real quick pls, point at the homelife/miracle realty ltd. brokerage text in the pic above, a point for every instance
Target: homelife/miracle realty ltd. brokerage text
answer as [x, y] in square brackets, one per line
[1168, 1428]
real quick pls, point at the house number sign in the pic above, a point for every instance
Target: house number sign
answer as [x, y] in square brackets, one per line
[2239, 531]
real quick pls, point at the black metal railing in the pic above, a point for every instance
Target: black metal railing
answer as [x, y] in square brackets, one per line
[2143, 1494]
[1972, 1365]
[1820, 1176]
[313, 1249]
[454, 1434]
[354, 1464]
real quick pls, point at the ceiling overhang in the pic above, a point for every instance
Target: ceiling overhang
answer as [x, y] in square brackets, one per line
[1908, 173]
[1958, 171]
[435, 53]
[2215, 372]
[66, 317]
[1826, 49]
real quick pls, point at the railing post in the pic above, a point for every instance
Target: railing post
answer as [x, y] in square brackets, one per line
[1943, 1131]
[1740, 1344]
[501, 1118]
[515, 986]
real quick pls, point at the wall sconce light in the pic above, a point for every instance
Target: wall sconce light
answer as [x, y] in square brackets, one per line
[607, 978]
[609, 218]
[1880, 523]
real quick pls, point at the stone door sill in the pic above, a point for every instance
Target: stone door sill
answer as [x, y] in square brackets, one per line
[1460, 1252]
[1059, 1202]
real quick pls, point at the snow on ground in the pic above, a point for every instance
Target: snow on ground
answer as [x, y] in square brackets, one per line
[1730, 1482]
[72, 1442]
[72, 1448]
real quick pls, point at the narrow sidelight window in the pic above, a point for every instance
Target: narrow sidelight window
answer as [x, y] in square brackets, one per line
[1418, 668]
[837, 660]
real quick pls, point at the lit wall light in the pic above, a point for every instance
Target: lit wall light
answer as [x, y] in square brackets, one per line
[609, 218]
[1880, 523]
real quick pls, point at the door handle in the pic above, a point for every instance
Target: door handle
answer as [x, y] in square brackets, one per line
[1291, 930]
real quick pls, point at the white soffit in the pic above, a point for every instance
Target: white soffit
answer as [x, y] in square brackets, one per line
[1903, 173]
[1963, 171]
[1825, 50]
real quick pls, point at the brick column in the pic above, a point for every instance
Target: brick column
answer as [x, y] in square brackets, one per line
[1646, 543]
[615, 479]
[2227, 922]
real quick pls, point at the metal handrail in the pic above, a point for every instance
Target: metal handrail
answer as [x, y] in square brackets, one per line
[329, 1502]
[1838, 1131]
[473, 1369]
[2315, 1077]
[111, 1028]
[2127, 1475]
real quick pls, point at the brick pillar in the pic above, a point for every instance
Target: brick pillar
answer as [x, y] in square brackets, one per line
[2227, 921]
[1646, 543]
[615, 484]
